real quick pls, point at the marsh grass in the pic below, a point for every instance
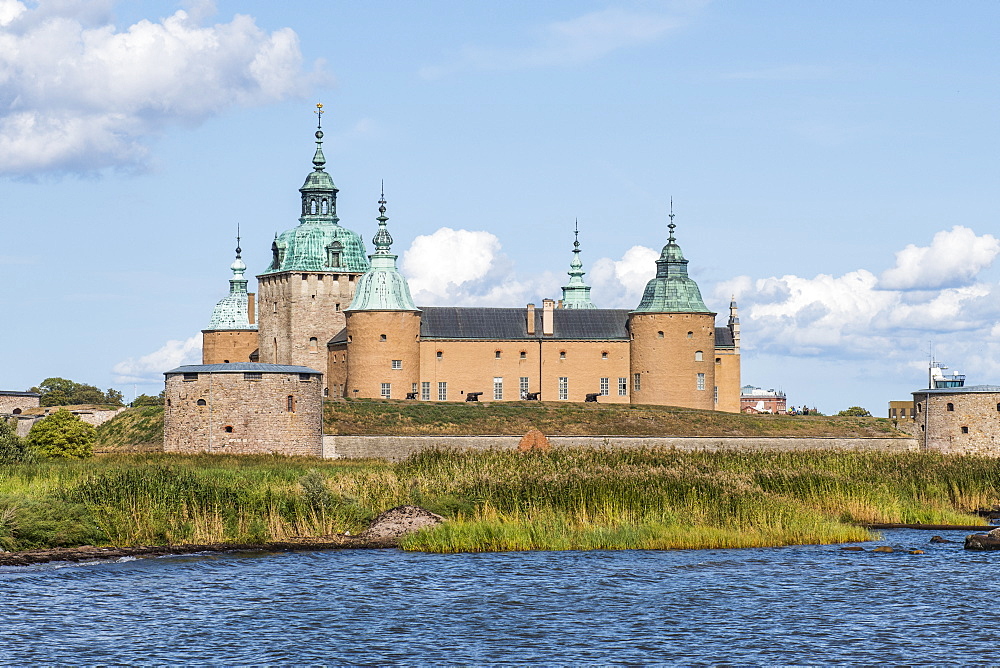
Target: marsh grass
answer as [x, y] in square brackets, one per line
[495, 500]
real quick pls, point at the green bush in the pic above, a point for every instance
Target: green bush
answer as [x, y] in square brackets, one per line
[62, 434]
[12, 449]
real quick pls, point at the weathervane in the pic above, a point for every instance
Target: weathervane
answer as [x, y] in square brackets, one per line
[319, 115]
[671, 225]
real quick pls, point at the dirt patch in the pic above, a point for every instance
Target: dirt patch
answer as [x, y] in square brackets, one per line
[400, 521]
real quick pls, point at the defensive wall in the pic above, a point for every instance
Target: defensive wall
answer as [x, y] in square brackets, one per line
[397, 448]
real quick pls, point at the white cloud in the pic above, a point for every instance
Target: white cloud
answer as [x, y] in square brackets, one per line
[77, 94]
[954, 258]
[579, 40]
[855, 316]
[619, 283]
[149, 368]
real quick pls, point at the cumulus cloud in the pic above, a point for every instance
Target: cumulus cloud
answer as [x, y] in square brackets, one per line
[954, 258]
[857, 315]
[579, 40]
[79, 95]
[149, 368]
[619, 283]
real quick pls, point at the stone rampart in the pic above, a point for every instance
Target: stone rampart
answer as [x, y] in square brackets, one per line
[397, 448]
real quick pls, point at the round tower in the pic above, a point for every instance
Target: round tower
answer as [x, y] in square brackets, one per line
[672, 349]
[383, 328]
[231, 335]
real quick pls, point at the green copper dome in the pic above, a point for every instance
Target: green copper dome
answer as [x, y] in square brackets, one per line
[576, 294]
[319, 243]
[231, 311]
[672, 290]
[382, 288]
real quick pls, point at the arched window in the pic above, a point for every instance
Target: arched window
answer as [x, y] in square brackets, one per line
[381, 337]
[690, 335]
[312, 206]
[699, 356]
[228, 429]
[659, 335]
[951, 407]
[313, 344]
[324, 206]
[497, 354]
[17, 411]
[202, 402]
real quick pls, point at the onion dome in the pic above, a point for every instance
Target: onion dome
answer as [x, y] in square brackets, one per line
[231, 312]
[318, 243]
[672, 290]
[576, 294]
[382, 287]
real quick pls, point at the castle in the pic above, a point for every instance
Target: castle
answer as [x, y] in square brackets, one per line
[324, 304]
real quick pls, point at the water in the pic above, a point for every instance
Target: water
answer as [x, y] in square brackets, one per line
[793, 605]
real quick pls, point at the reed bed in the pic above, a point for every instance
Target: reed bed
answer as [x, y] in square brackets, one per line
[494, 500]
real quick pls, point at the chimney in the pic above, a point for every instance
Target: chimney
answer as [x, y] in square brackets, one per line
[251, 308]
[548, 307]
[531, 320]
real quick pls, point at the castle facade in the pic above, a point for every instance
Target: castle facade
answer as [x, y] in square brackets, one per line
[325, 304]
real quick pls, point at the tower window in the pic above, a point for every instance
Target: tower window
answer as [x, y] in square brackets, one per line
[440, 354]
[965, 430]
[313, 344]
[604, 355]
[690, 335]
[324, 206]
[250, 375]
[305, 377]
[190, 376]
[497, 354]
[699, 356]
[228, 429]
[397, 364]
[562, 354]
[290, 404]
[951, 407]
[381, 337]
[637, 382]
[718, 360]
[701, 381]
[202, 402]
[659, 335]
[524, 356]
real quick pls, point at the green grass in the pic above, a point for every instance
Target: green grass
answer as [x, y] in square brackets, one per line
[137, 429]
[494, 500]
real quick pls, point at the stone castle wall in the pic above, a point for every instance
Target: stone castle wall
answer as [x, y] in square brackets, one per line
[15, 404]
[222, 346]
[664, 355]
[234, 413]
[970, 426]
[397, 448]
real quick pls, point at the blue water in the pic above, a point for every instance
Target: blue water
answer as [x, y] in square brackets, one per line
[793, 605]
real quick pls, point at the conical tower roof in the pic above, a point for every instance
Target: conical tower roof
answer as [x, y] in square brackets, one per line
[382, 287]
[318, 243]
[671, 290]
[231, 311]
[576, 294]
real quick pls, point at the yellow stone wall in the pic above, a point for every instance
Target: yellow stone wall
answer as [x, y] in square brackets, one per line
[727, 379]
[663, 354]
[222, 346]
[374, 340]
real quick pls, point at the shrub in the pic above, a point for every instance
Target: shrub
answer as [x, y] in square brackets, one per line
[62, 434]
[12, 449]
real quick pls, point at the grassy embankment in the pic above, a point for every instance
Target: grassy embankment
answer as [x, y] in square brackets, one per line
[141, 429]
[563, 499]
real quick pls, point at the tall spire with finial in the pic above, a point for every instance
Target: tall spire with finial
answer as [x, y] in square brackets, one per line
[576, 294]
[232, 311]
[672, 290]
[382, 287]
[319, 160]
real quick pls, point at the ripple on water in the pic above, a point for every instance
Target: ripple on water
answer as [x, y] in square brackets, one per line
[803, 604]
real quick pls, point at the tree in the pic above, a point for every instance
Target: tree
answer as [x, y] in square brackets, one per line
[854, 411]
[62, 434]
[63, 392]
[12, 448]
[146, 400]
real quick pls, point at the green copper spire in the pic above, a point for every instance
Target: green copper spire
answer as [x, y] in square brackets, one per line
[672, 290]
[382, 288]
[319, 243]
[576, 294]
[231, 312]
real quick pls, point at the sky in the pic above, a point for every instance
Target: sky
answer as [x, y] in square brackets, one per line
[832, 165]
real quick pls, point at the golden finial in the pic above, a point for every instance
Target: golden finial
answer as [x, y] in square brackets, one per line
[319, 114]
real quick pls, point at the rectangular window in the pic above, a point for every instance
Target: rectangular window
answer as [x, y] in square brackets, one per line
[305, 377]
[716, 398]
[190, 376]
[442, 391]
[563, 387]
[259, 376]
[497, 388]
[605, 387]
[425, 391]
[636, 382]
[386, 390]
[413, 388]
[397, 364]
[701, 381]
[623, 387]
[523, 386]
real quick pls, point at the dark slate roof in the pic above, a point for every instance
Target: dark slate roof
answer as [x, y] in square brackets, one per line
[446, 322]
[972, 389]
[724, 338]
[12, 393]
[240, 367]
[339, 337]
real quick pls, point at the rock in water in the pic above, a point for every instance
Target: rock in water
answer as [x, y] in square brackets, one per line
[533, 440]
[400, 521]
[983, 541]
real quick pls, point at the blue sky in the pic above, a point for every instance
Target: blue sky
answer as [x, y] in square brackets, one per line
[832, 164]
